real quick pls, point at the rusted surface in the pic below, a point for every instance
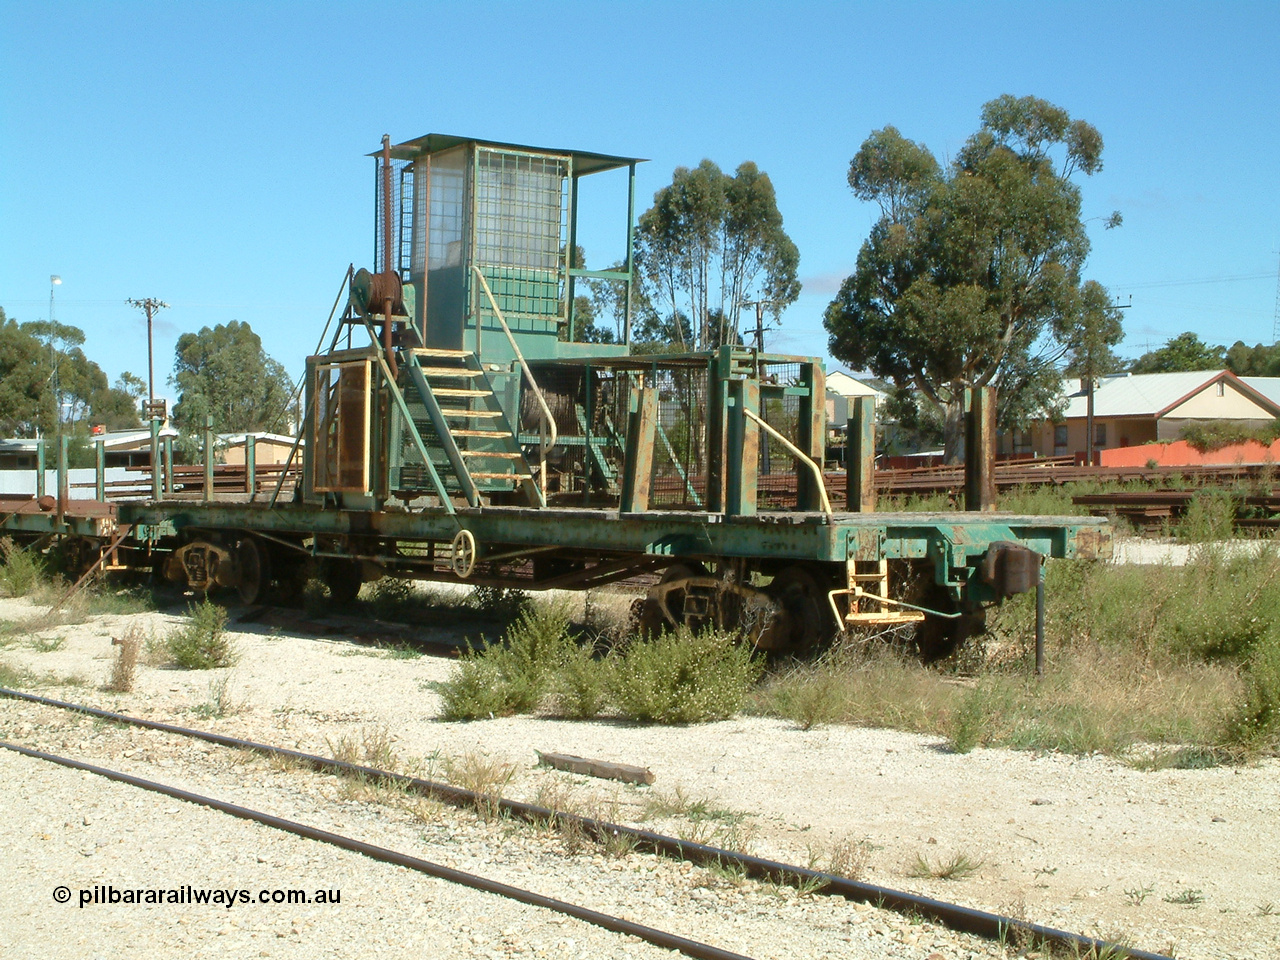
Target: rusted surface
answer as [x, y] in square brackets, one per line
[1094, 543]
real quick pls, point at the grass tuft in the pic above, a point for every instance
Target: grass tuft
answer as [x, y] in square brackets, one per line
[21, 571]
[125, 666]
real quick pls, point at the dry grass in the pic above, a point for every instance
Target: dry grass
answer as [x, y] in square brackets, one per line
[959, 866]
[125, 666]
[487, 777]
[1091, 699]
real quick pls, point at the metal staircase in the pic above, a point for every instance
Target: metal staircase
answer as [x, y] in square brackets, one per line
[467, 435]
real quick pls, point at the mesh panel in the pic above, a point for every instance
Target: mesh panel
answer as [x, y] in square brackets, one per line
[777, 480]
[521, 231]
[680, 456]
[398, 235]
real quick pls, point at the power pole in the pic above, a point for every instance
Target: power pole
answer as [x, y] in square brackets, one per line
[759, 305]
[150, 306]
[1275, 324]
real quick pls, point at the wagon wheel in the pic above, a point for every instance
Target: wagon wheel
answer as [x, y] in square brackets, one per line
[343, 578]
[652, 619]
[254, 571]
[805, 621]
[463, 561]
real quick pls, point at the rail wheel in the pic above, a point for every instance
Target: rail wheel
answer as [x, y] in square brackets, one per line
[343, 578]
[254, 570]
[805, 621]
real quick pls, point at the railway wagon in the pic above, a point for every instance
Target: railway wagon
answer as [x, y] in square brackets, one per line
[459, 426]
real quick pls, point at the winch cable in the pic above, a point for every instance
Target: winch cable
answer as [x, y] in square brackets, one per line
[964, 919]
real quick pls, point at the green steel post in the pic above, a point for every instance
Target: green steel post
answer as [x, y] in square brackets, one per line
[631, 237]
[637, 470]
[208, 458]
[168, 466]
[573, 247]
[860, 456]
[39, 468]
[62, 477]
[250, 465]
[743, 454]
[586, 434]
[155, 459]
[718, 368]
[100, 470]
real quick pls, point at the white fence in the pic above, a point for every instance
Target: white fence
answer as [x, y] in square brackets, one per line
[24, 481]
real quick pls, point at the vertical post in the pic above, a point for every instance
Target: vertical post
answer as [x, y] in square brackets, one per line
[155, 459]
[40, 468]
[743, 455]
[570, 285]
[100, 470]
[250, 465]
[860, 456]
[62, 477]
[168, 466]
[979, 449]
[208, 458]
[719, 365]
[1088, 422]
[637, 467]
[1040, 622]
[812, 435]
[631, 261]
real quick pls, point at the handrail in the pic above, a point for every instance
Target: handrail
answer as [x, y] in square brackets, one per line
[544, 444]
[800, 454]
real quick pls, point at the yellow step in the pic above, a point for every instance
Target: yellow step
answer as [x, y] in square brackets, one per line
[480, 433]
[443, 372]
[439, 352]
[460, 392]
[496, 454]
[459, 412]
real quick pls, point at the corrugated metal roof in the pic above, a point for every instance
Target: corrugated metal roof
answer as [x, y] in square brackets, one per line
[1269, 387]
[1148, 394]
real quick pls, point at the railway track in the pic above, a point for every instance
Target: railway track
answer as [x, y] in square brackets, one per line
[954, 916]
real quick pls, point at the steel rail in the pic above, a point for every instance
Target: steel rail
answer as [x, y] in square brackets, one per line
[964, 919]
[659, 938]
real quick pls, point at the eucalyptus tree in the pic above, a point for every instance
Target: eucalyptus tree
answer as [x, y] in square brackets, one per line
[971, 276]
[710, 243]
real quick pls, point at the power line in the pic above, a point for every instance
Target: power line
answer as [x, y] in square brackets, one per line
[1275, 324]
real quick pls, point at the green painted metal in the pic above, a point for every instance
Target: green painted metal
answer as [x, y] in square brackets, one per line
[40, 468]
[443, 434]
[100, 470]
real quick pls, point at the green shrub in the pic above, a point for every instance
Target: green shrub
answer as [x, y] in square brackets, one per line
[580, 687]
[21, 571]
[1210, 516]
[683, 677]
[514, 676]
[1257, 722]
[203, 643]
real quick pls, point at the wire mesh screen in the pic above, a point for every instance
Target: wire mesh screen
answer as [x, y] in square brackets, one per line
[398, 168]
[340, 427]
[777, 473]
[521, 232]
[681, 454]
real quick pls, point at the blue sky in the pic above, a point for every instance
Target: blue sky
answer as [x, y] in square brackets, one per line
[212, 154]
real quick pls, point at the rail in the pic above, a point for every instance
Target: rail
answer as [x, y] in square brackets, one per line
[800, 455]
[548, 420]
[966, 919]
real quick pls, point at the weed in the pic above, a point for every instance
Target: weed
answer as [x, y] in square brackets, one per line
[220, 703]
[1186, 898]
[119, 602]
[959, 867]
[125, 666]
[683, 677]
[484, 776]
[14, 677]
[499, 603]
[1209, 516]
[21, 571]
[1137, 895]
[659, 806]
[580, 686]
[1266, 909]
[849, 858]
[202, 644]
[373, 749]
[47, 644]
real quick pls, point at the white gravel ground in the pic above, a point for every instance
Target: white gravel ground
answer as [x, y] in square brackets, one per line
[1086, 844]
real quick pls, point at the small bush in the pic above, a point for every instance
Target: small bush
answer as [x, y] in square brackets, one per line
[580, 687]
[499, 603]
[1210, 516]
[202, 644]
[683, 677]
[21, 571]
[1257, 721]
[514, 676]
[125, 667]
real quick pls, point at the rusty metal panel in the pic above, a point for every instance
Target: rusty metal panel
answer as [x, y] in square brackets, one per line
[980, 450]
[742, 457]
[860, 453]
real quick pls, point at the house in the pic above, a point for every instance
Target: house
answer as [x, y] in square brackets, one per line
[1134, 409]
[268, 448]
[842, 389]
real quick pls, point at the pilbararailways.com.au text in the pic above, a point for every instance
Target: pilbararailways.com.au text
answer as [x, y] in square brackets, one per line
[109, 894]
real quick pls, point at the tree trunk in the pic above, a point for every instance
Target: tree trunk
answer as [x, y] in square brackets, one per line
[953, 431]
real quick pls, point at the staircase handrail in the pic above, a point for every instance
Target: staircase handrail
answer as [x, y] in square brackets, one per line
[545, 443]
[798, 454]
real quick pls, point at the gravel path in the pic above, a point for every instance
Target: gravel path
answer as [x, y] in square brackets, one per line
[1086, 844]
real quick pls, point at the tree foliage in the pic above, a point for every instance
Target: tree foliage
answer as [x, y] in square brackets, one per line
[44, 370]
[223, 372]
[971, 275]
[1186, 351]
[710, 242]
[1256, 361]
